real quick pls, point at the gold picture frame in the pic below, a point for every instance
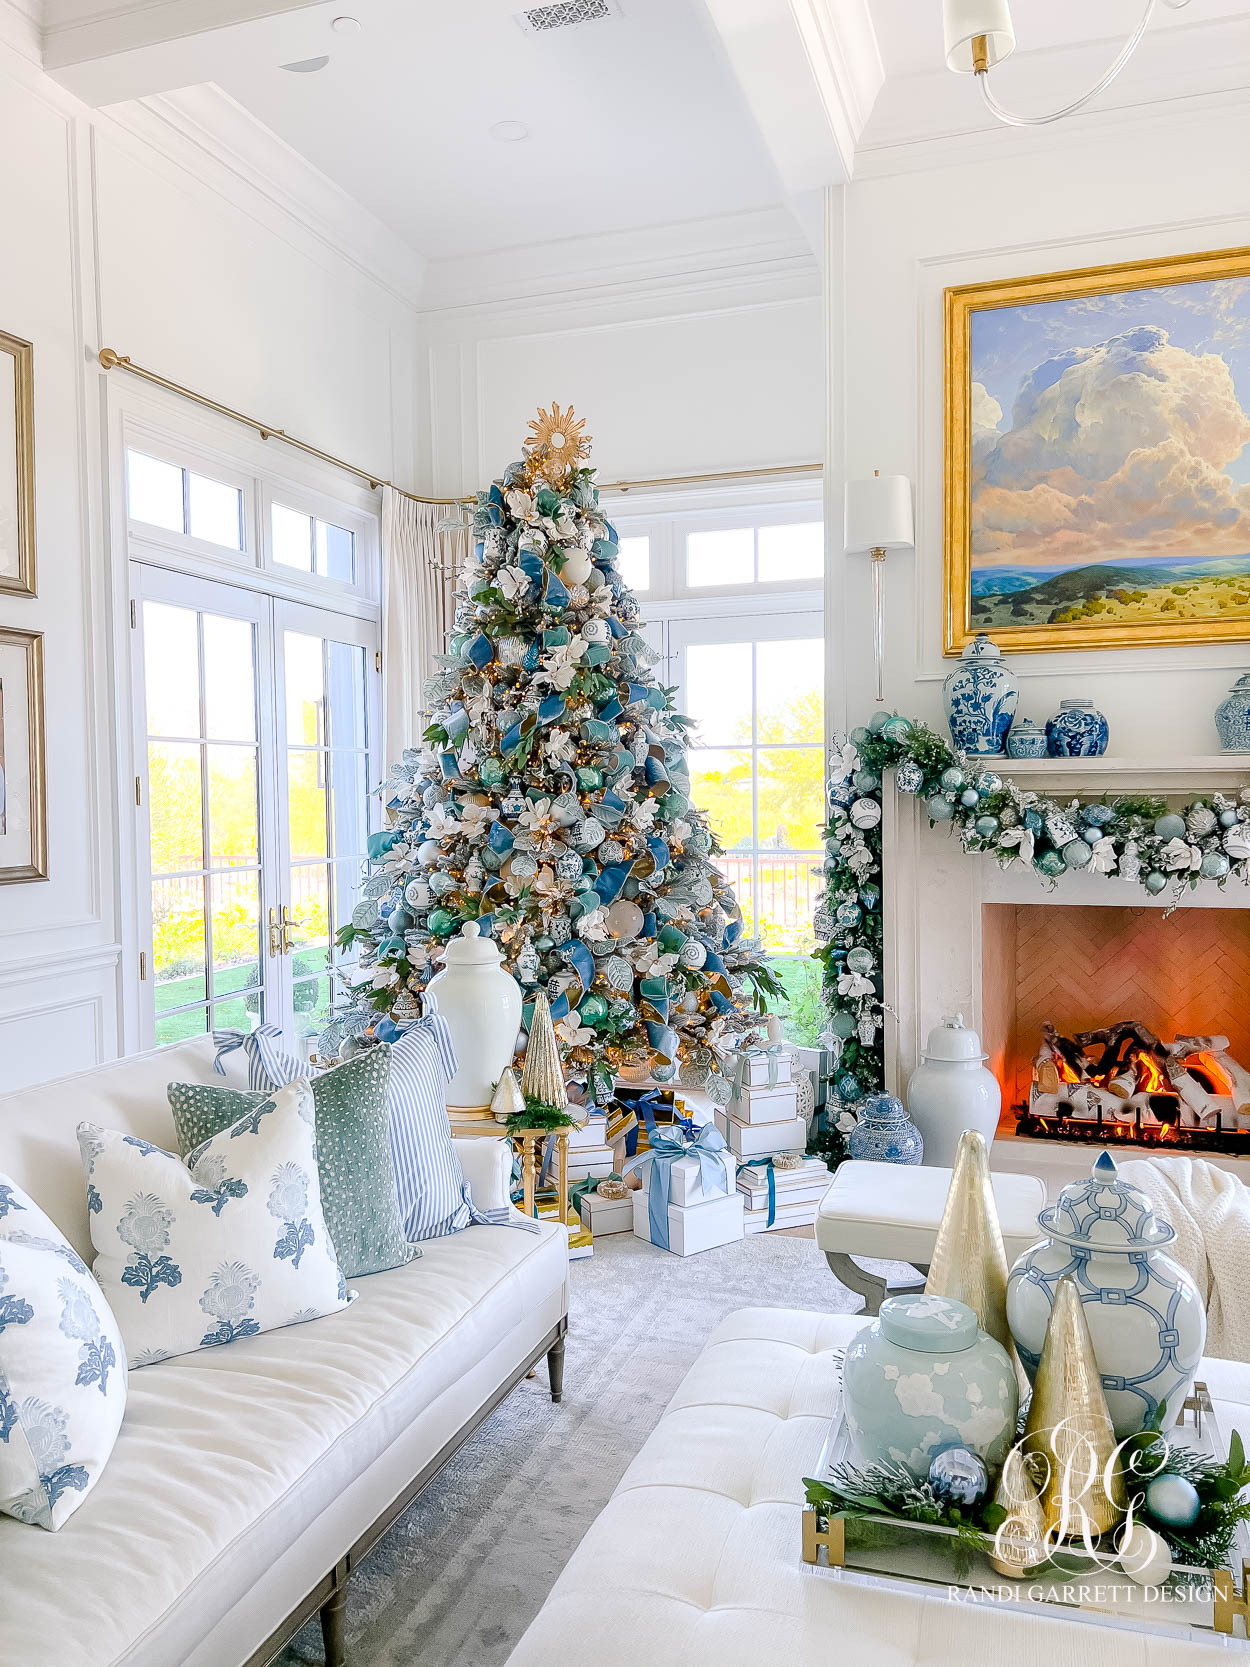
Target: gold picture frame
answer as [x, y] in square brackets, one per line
[17, 479]
[24, 818]
[1017, 599]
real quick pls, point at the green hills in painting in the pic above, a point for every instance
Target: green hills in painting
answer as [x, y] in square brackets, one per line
[1111, 593]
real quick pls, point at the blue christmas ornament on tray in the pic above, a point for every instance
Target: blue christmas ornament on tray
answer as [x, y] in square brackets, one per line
[885, 1133]
[959, 1475]
[981, 697]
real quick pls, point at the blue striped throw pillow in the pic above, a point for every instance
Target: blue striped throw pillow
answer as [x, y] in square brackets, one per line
[433, 1194]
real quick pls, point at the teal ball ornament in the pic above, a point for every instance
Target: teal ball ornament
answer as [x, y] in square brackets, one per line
[1174, 1500]
[986, 826]
[490, 772]
[860, 735]
[969, 797]
[834, 848]
[1098, 815]
[843, 1024]
[1050, 863]
[440, 921]
[1076, 853]
[592, 1008]
[870, 897]
[862, 961]
[989, 783]
[1091, 836]
[952, 778]
[866, 781]
[1156, 882]
[848, 1086]
[1228, 818]
[939, 809]
[1215, 865]
[896, 728]
[1170, 826]
[878, 722]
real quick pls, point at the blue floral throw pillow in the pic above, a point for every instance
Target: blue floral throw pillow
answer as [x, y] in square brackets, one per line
[228, 1243]
[62, 1374]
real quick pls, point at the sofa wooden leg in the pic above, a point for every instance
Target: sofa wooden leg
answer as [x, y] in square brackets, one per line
[555, 1369]
[334, 1622]
[870, 1286]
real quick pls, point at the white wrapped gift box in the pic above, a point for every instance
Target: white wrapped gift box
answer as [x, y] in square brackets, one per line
[606, 1215]
[751, 1067]
[788, 1215]
[685, 1178]
[758, 1140]
[811, 1181]
[765, 1105]
[693, 1227]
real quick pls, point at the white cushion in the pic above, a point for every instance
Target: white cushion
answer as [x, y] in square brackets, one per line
[891, 1211]
[229, 1456]
[231, 1243]
[695, 1561]
[62, 1374]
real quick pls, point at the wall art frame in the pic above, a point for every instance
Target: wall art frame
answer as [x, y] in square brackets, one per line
[1097, 456]
[17, 467]
[23, 766]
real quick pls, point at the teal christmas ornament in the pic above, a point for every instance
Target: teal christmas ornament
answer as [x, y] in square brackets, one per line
[860, 735]
[1156, 882]
[939, 809]
[1174, 1500]
[1215, 865]
[896, 728]
[1076, 853]
[990, 782]
[878, 722]
[952, 778]
[1050, 863]
[986, 826]
[440, 921]
[1099, 815]
[1228, 818]
[842, 1024]
[1170, 826]
[866, 781]
[969, 797]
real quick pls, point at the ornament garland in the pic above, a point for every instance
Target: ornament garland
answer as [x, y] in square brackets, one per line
[1137, 838]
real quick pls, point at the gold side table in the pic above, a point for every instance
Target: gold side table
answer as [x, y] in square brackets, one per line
[531, 1142]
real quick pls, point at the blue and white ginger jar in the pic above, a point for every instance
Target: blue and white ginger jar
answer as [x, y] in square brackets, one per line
[922, 1377]
[1026, 739]
[885, 1133]
[1145, 1315]
[1232, 717]
[1077, 730]
[981, 697]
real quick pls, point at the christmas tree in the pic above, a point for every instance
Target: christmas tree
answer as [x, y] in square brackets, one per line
[551, 803]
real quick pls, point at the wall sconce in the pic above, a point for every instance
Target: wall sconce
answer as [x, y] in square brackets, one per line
[879, 518]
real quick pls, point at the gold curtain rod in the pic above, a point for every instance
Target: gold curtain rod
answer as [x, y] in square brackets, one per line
[112, 360]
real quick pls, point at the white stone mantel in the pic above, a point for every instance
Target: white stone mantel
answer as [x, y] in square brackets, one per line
[933, 890]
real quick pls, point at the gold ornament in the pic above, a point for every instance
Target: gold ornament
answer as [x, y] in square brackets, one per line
[557, 444]
[1069, 1428]
[969, 1262]
[507, 1099]
[542, 1077]
[1018, 1540]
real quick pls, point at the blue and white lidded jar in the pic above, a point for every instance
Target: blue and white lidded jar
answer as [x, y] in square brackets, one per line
[1232, 717]
[1078, 730]
[1146, 1317]
[922, 1377]
[1025, 739]
[981, 696]
[885, 1133]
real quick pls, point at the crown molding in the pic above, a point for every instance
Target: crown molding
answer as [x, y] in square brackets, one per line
[205, 122]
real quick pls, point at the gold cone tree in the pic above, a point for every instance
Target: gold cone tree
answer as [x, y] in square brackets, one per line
[542, 1078]
[969, 1261]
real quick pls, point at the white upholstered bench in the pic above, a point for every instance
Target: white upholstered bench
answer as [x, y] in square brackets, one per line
[889, 1212]
[695, 1560]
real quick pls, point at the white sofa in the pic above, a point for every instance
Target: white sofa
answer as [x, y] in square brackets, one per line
[248, 1481]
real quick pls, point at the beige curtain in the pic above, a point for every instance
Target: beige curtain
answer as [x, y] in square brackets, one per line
[418, 575]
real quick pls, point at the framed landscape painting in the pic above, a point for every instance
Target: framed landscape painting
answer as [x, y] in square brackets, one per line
[23, 787]
[1098, 456]
[17, 467]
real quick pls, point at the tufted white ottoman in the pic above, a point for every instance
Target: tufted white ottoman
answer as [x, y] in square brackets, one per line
[695, 1560]
[889, 1212]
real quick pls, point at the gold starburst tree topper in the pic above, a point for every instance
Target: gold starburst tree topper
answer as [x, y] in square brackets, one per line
[558, 443]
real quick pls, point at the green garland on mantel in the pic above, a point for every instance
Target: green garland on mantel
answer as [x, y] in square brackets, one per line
[1136, 838]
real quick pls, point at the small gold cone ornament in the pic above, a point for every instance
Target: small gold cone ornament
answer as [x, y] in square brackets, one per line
[542, 1078]
[969, 1261]
[1070, 1428]
[1019, 1540]
[507, 1099]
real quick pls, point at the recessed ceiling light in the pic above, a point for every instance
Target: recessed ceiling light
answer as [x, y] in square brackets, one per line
[346, 25]
[509, 132]
[307, 66]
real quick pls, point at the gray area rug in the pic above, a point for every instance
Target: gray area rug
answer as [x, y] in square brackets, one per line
[459, 1578]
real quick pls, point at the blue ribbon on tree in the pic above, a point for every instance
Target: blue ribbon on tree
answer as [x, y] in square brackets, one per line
[577, 956]
[741, 1074]
[380, 843]
[766, 1164]
[667, 1148]
[663, 1040]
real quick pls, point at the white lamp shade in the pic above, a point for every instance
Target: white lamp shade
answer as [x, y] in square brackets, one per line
[964, 20]
[878, 514]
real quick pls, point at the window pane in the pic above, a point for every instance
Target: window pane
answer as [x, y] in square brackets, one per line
[242, 1012]
[738, 867]
[790, 690]
[306, 808]
[178, 942]
[720, 784]
[349, 805]
[795, 552]
[305, 690]
[345, 689]
[235, 917]
[633, 562]
[310, 914]
[216, 511]
[785, 900]
[171, 669]
[155, 491]
[229, 679]
[180, 1027]
[232, 826]
[791, 796]
[347, 882]
[174, 819]
[718, 691]
[721, 558]
[312, 1007]
[336, 552]
[292, 538]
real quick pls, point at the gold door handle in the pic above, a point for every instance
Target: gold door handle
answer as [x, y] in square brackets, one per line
[275, 933]
[285, 928]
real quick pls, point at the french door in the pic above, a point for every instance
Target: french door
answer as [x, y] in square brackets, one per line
[257, 729]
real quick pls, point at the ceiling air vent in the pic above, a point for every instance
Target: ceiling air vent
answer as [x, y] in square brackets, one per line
[565, 14]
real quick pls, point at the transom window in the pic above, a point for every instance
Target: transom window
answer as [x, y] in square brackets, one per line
[181, 501]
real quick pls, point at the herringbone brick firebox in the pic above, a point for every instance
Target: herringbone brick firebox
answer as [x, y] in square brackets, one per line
[1083, 968]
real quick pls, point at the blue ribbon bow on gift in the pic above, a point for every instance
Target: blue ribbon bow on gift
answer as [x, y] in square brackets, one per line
[767, 1165]
[741, 1076]
[667, 1148]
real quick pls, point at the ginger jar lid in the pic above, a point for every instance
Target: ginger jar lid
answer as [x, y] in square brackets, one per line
[1105, 1213]
[931, 1325]
[981, 648]
[952, 1041]
[470, 949]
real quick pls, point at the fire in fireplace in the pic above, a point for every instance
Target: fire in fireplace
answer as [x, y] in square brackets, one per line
[1123, 1084]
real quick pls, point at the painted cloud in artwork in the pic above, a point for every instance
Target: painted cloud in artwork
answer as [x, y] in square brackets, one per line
[1117, 449]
